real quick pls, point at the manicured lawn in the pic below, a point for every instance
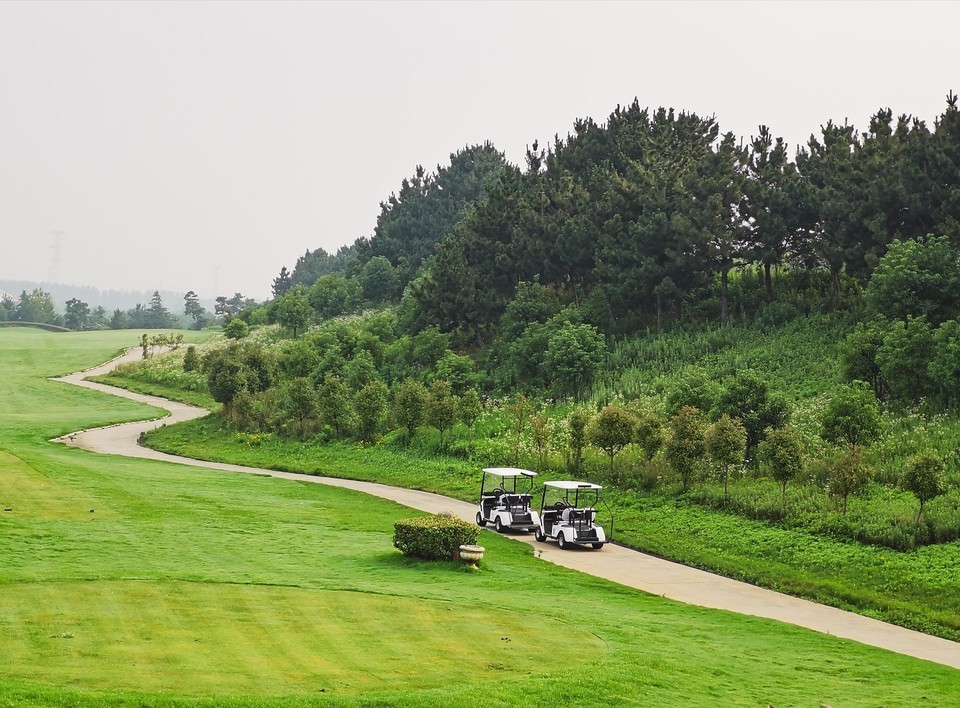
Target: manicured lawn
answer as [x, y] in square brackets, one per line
[185, 586]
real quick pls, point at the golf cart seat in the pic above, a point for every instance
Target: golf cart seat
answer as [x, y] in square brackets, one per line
[567, 515]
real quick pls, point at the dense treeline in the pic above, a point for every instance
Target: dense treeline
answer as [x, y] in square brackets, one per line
[635, 219]
[37, 306]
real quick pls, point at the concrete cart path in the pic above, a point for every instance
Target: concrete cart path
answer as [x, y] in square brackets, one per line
[621, 565]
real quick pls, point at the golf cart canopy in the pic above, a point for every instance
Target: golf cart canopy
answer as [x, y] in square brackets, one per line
[569, 485]
[508, 472]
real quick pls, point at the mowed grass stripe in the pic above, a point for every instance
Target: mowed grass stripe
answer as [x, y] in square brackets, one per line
[260, 640]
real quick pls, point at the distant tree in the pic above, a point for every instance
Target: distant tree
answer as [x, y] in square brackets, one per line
[236, 329]
[157, 316]
[692, 387]
[924, 478]
[190, 359]
[727, 444]
[849, 474]
[944, 368]
[540, 434]
[77, 314]
[687, 444]
[293, 311]
[469, 409]
[298, 357]
[858, 355]
[408, 405]
[577, 424]
[781, 451]
[574, 355]
[370, 404]
[36, 306]
[904, 359]
[440, 407]
[519, 410]
[299, 400]
[379, 281]
[458, 369]
[227, 307]
[334, 404]
[194, 310]
[333, 295]
[282, 283]
[236, 368]
[428, 348]
[360, 370]
[8, 308]
[852, 416]
[648, 434]
[531, 303]
[746, 398]
[226, 378]
[916, 278]
[98, 318]
[611, 430]
[118, 320]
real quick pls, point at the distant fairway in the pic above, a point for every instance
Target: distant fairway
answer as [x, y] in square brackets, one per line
[186, 586]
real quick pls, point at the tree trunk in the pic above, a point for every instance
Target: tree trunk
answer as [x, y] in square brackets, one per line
[726, 479]
[768, 281]
[659, 314]
[783, 498]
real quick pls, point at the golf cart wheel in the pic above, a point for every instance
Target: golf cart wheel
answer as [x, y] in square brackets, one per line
[480, 520]
[561, 541]
[498, 526]
[539, 535]
[598, 545]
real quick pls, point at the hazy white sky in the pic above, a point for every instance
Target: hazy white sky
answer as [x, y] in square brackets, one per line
[189, 145]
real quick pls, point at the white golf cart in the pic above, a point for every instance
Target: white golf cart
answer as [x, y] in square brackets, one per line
[568, 512]
[505, 497]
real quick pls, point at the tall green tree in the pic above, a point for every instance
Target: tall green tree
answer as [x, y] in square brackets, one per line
[193, 309]
[370, 404]
[770, 209]
[440, 407]
[849, 474]
[300, 401]
[334, 404]
[924, 478]
[611, 430]
[36, 306]
[781, 451]
[726, 442]
[852, 416]
[293, 310]
[747, 398]
[687, 444]
[157, 316]
[409, 402]
[76, 314]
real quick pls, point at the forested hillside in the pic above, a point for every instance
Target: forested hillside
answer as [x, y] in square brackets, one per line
[757, 352]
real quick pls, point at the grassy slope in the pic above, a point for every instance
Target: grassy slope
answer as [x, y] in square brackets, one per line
[194, 587]
[913, 589]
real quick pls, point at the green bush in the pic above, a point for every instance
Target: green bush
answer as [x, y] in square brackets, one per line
[436, 537]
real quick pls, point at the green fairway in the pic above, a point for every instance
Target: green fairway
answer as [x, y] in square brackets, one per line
[143, 583]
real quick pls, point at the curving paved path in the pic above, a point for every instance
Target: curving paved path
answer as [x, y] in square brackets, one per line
[621, 565]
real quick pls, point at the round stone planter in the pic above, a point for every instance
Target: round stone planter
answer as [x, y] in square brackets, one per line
[471, 554]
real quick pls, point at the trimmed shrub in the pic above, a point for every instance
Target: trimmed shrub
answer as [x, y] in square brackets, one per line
[436, 537]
